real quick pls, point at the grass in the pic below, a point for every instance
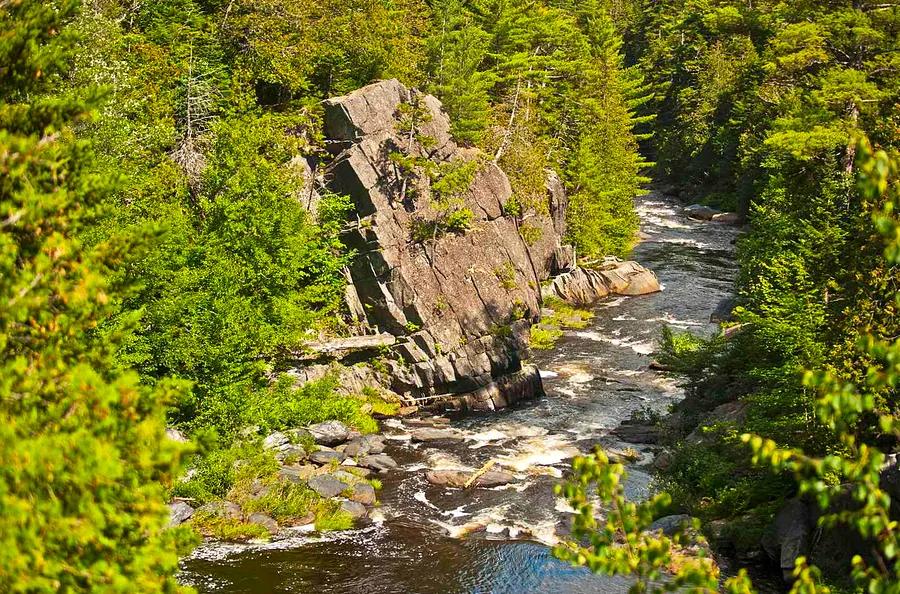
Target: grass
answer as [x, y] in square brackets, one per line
[550, 329]
[228, 529]
[334, 520]
[543, 337]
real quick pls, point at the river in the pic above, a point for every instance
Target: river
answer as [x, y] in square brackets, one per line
[436, 540]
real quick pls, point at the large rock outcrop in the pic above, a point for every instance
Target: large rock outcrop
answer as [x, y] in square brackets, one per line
[458, 298]
[459, 302]
[586, 286]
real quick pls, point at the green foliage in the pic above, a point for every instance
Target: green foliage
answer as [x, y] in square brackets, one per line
[541, 86]
[550, 329]
[334, 520]
[284, 406]
[619, 542]
[85, 459]
[227, 529]
[530, 233]
[543, 337]
[851, 464]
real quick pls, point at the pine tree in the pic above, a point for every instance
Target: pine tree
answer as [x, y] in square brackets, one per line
[85, 459]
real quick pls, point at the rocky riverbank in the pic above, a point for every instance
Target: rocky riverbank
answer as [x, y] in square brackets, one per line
[441, 320]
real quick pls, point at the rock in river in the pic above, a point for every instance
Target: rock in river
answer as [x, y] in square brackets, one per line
[355, 509]
[432, 434]
[378, 462]
[458, 478]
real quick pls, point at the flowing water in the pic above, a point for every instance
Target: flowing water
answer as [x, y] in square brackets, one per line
[438, 540]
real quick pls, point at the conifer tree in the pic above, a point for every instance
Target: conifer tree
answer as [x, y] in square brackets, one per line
[85, 459]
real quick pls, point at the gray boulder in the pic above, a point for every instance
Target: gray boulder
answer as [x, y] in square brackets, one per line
[378, 462]
[700, 212]
[367, 444]
[788, 537]
[275, 440]
[327, 456]
[586, 286]
[222, 509]
[363, 493]
[433, 434]
[297, 474]
[457, 479]
[354, 508]
[329, 433]
[179, 513]
[671, 525]
[262, 519]
[326, 485]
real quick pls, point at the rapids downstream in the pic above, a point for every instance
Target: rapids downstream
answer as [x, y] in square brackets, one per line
[438, 540]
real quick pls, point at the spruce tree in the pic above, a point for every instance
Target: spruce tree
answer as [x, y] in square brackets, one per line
[85, 458]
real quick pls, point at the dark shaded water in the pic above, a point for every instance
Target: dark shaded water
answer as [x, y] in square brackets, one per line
[436, 540]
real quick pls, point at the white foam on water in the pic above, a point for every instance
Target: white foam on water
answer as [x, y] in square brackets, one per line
[613, 302]
[538, 451]
[580, 378]
[589, 335]
[685, 241]
[456, 512]
[398, 437]
[546, 374]
[625, 318]
[442, 460]
[672, 320]
[421, 498]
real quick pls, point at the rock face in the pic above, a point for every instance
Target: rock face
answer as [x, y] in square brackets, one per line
[583, 286]
[460, 302]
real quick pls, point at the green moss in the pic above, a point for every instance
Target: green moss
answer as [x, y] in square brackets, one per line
[545, 334]
[530, 234]
[337, 519]
[544, 337]
[227, 529]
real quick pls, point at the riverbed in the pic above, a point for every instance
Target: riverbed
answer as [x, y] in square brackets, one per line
[431, 539]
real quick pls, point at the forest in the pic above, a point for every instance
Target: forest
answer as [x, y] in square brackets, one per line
[158, 273]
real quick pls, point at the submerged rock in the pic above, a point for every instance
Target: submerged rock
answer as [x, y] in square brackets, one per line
[458, 478]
